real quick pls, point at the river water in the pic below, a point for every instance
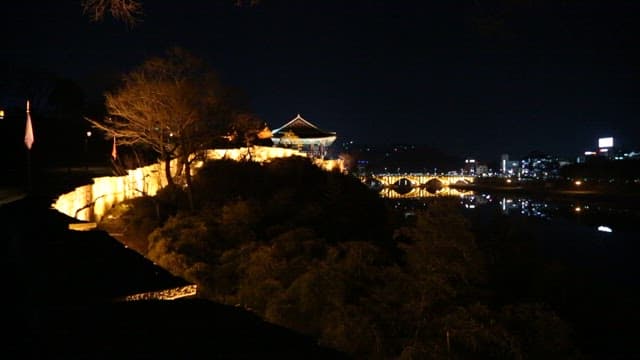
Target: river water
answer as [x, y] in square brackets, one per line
[596, 243]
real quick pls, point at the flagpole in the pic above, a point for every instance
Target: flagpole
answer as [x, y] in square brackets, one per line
[114, 152]
[28, 141]
[28, 171]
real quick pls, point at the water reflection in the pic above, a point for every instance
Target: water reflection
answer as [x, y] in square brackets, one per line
[547, 210]
[420, 192]
[601, 217]
[509, 206]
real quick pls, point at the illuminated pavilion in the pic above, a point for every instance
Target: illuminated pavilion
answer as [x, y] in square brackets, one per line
[303, 135]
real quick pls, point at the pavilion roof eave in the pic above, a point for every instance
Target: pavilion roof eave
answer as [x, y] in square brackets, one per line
[298, 118]
[322, 135]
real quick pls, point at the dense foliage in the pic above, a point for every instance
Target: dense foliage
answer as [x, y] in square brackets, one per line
[320, 253]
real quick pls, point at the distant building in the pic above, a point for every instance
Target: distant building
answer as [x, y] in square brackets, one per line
[608, 149]
[469, 167]
[303, 135]
[537, 165]
[504, 158]
[482, 169]
[509, 167]
[473, 167]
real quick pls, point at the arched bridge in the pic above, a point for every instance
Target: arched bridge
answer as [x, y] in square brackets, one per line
[414, 180]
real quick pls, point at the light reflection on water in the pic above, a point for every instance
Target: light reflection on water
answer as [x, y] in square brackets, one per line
[421, 192]
[601, 217]
[512, 205]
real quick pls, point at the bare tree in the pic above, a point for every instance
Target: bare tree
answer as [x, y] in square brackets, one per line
[174, 104]
[128, 11]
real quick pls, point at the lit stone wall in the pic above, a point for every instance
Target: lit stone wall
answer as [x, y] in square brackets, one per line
[167, 294]
[330, 165]
[90, 202]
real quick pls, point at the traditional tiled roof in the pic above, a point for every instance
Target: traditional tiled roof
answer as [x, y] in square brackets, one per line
[302, 129]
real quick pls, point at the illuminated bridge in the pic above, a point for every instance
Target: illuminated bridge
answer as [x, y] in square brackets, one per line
[412, 180]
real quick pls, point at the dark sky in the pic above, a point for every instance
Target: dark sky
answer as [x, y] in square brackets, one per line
[473, 78]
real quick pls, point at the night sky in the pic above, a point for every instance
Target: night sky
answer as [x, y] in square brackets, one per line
[472, 78]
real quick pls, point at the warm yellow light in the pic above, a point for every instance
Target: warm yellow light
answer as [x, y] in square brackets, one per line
[167, 294]
[578, 182]
[82, 226]
[91, 202]
[1, 114]
[508, 181]
[577, 209]
[265, 133]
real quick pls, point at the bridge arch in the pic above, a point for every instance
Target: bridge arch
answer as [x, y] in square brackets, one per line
[403, 183]
[415, 180]
[374, 183]
[433, 185]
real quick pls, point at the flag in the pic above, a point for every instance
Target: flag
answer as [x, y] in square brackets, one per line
[114, 153]
[28, 134]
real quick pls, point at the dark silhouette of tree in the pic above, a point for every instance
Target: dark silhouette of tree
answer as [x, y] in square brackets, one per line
[127, 11]
[248, 130]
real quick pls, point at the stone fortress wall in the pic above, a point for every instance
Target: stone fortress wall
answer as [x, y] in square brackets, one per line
[90, 202]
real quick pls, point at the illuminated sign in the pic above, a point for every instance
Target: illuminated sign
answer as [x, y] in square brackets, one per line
[604, 228]
[605, 142]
